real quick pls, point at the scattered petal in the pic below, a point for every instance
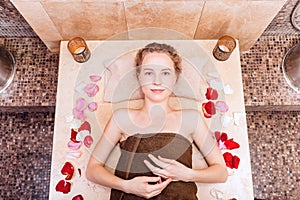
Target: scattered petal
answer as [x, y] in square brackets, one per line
[78, 114]
[76, 123]
[74, 145]
[214, 83]
[69, 118]
[228, 89]
[73, 155]
[91, 89]
[82, 134]
[68, 169]
[79, 87]
[231, 161]
[81, 104]
[235, 162]
[221, 145]
[95, 78]
[208, 109]
[78, 197]
[88, 141]
[230, 144]
[213, 74]
[85, 126]
[73, 135]
[93, 106]
[237, 117]
[226, 120]
[221, 106]
[63, 186]
[211, 94]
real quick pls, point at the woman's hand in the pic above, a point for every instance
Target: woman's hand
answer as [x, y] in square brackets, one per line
[168, 168]
[140, 186]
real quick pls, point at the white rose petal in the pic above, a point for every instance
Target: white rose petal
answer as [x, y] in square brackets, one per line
[81, 135]
[69, 118]
[79, 87]
[237, 117]
[216, 84]
[226, 120]
[228, 89]
[75, 124]
[213, 74]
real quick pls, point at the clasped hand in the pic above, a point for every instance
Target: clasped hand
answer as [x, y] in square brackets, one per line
[168, 168]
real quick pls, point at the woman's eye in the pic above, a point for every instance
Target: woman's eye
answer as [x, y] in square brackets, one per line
[166, 73]
[148, 73]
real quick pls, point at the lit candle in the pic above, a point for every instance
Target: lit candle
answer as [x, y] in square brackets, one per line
[79, 49]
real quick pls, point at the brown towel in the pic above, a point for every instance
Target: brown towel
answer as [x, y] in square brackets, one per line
[135, 150]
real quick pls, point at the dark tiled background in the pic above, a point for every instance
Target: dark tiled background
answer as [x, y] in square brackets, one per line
[27, 111]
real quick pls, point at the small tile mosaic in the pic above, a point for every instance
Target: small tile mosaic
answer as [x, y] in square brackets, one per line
[274, 141]
[263, 80]
[282, 22]
[35, 81]
[12, 22]
[25, 154]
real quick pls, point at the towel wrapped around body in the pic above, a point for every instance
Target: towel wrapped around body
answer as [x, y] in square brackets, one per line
[135, 149]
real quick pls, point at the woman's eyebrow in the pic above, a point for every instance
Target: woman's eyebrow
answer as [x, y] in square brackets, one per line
[144, 69]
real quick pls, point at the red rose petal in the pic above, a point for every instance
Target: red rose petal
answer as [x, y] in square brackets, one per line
[85, 126]
[63, 186]
[73, 135]
[223, 137]
[68, 169]
[228, 159]
[230, 144]
[211, 94]
[88, 141]
[208, 109]
[235, 162]
[78, 197]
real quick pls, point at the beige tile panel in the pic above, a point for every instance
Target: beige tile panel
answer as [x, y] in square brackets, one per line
[240, 19]
[39, 20]
[176, 15]
[95, 20]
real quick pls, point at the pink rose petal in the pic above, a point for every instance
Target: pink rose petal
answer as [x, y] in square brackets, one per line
[81, 104]
[221, 106]
[74, 145]
[91, 89]
[93, 106]
[78, 114]
[95, 78]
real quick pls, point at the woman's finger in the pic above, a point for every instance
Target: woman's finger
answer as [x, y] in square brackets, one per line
[158, 162]
[166, 160]
[155, 170]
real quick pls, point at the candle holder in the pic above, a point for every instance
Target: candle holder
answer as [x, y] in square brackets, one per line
[224, 48]
[79, 49]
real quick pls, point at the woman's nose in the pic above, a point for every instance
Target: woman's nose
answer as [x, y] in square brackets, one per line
[157, 79]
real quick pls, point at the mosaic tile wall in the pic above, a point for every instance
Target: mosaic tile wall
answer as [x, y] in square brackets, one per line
[274, 140]
[282, 22]
[263, 80]
[25, 154]
[12, 22]
[35, 81]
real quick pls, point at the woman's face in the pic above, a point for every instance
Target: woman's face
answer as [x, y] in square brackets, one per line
[157, 76]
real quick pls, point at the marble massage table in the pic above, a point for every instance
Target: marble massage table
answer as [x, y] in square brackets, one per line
[88, 93]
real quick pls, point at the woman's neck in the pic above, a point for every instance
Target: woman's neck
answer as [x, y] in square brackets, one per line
[150, 106]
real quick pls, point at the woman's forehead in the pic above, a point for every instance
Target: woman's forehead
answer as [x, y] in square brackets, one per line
[158, 59]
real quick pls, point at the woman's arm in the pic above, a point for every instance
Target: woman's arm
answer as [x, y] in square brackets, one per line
[216, 170]
[97, 173]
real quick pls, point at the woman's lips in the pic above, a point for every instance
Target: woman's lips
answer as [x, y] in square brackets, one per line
[157, 91]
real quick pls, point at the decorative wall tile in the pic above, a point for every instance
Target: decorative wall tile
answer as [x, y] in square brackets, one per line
[175, 15]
